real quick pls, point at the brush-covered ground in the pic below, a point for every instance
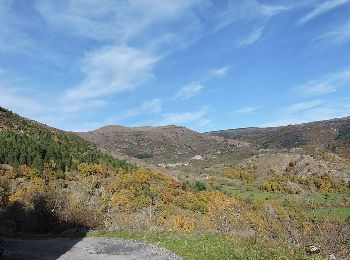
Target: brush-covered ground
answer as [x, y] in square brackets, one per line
[207, 217]
[265, 205]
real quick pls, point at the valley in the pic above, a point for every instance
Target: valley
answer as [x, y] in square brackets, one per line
[262, 193]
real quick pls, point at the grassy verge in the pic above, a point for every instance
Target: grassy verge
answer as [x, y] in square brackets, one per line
[210, 246]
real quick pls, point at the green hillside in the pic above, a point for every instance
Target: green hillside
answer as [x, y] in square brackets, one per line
[26, 142]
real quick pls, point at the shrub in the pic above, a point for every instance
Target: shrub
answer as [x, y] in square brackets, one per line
[240, 174]
[183, 223]
[200, 186]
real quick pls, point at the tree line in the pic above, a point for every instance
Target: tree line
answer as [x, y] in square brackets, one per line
[67, 151]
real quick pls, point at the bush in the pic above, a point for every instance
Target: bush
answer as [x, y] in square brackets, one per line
[200, 186]
[239, 174]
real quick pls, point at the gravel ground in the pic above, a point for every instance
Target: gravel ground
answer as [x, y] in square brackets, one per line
[86, 248]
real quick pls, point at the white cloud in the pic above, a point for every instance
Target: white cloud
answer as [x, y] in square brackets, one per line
[13, 100]
[338, 35]
[298, 107]
[245, 110]
[325, 85]
[112, 70]
[272, 10]
[185, 118]
[317, 88]
[220, 72]
[153, 106]
[72, 106]
[144, 25]
[111, 20]
[250, 38]
[315, 114]
[12, 38]
[322, 8]
[189, 91]
[246, 10]
[193, 89]
[217, 19]
[309, 111]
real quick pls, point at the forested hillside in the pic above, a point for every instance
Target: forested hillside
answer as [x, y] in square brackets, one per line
[26, 142]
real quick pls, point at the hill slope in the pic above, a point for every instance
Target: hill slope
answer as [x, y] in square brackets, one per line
[331, 135]
[173, 144]
[160, 144]
[26, 142]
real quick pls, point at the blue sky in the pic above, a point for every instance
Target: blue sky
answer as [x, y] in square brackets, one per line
[207, 65]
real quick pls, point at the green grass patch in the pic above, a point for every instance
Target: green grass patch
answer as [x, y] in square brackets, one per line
[330, 213]
[253, 194]
[210, 245]
[331, 197]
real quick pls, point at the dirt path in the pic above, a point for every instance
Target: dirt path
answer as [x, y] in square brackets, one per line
[85, 248]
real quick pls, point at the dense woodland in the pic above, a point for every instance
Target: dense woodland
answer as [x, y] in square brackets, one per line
[41, 148]
[35, 145]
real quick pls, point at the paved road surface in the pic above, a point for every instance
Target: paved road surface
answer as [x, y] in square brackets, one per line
[83, 249]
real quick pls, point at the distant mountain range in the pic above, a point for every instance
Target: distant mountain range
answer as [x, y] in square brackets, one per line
[173, 143]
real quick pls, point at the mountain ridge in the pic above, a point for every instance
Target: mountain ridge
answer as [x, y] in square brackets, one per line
[177, 143]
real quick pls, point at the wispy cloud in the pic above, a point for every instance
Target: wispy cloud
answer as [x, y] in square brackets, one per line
[220, 72]
[149, 107]
[118, 68]
[189, 91]
[13, 100]
[193, 89]
[338, 35]
[111, 20]
[153, 106]
[12, 38]
[250, 38]
[325, 85]
[272, 10]
[309, 111]
[112, 70]
[245, 110]
[299, 107]
[186, 118]
[322, 8]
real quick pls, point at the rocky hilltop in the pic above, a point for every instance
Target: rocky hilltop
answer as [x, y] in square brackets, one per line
[173, 144]
[164, 144]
